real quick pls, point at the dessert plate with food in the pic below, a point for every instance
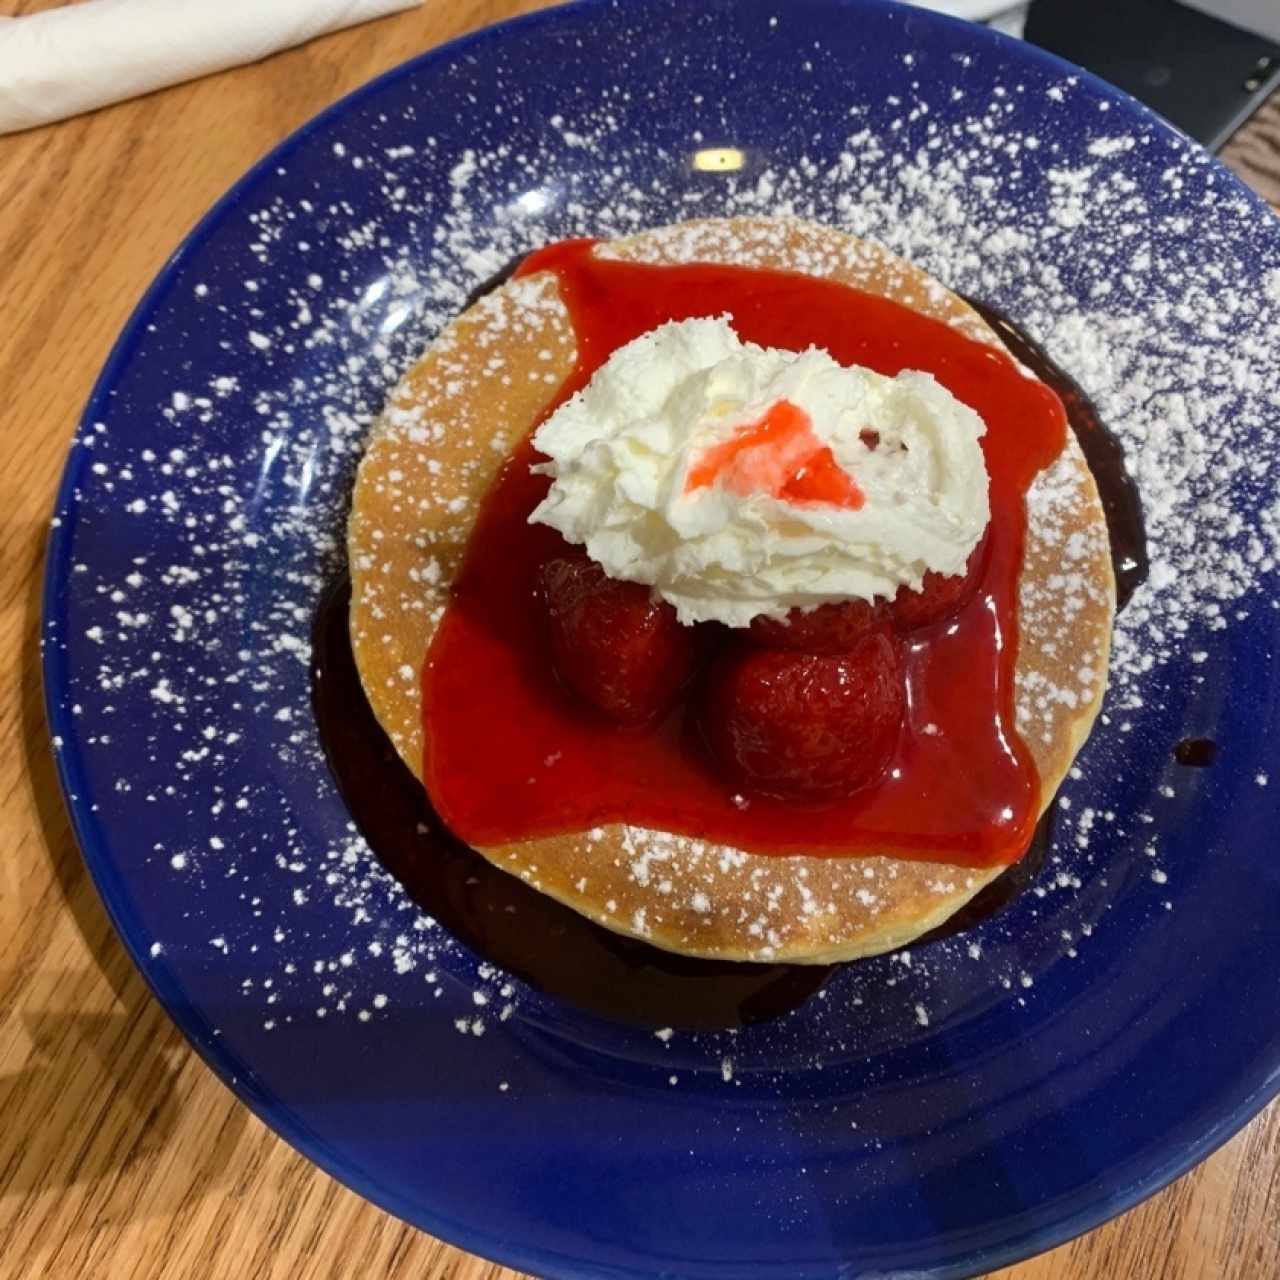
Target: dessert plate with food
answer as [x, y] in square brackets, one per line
[681, 612]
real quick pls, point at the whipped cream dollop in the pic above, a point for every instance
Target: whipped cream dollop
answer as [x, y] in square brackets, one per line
[741, 481]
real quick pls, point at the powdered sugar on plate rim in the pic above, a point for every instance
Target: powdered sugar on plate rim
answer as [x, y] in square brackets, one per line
[202, 515]
[1154, 392]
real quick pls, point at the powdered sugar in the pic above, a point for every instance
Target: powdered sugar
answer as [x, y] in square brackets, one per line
[196, 559]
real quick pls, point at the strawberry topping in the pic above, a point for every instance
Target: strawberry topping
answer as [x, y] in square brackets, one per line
[612, 643]
[940, 596]
[830, 628]
[806, 726]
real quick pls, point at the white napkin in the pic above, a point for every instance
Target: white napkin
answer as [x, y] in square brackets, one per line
[81, 56]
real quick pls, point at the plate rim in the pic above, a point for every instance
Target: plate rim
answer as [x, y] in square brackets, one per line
[111, 886]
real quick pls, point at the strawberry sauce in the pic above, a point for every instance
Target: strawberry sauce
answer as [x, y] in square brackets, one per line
[510, 755]
[780, 456]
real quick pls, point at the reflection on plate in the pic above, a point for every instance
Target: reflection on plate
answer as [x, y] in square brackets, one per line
[935, 1113]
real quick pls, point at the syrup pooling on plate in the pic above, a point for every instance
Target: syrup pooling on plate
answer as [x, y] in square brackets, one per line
[1126, 527]
[508, 756]
[525, 932]
[528, 934]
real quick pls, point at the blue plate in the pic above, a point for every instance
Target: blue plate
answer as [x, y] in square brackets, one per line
[931, 1114]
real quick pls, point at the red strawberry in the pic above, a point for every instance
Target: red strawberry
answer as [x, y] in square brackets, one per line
[940, 596]
[806, 726]
[830, 628]
[612, 643]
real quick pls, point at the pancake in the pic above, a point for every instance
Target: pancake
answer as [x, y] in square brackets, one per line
[433, 455]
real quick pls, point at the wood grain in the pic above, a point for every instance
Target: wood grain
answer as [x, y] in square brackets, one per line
[120, 1155]
[1254, 151]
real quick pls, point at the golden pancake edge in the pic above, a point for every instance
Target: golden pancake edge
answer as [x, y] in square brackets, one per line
[431, 458]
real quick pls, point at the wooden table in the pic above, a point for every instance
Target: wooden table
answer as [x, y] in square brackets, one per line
[120, 1154]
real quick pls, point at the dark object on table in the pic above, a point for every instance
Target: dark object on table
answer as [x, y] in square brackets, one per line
[1204, 75]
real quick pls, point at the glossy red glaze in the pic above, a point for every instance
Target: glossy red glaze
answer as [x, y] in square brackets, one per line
[614, 645]
[805, 726]
[780, 456]
[830, 628]
[508, 753]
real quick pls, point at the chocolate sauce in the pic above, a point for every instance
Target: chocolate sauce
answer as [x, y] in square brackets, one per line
[1004, 889]
[1102, 450]
[553, 948]
[1198, 753]
[495, 281]
[528, 934]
